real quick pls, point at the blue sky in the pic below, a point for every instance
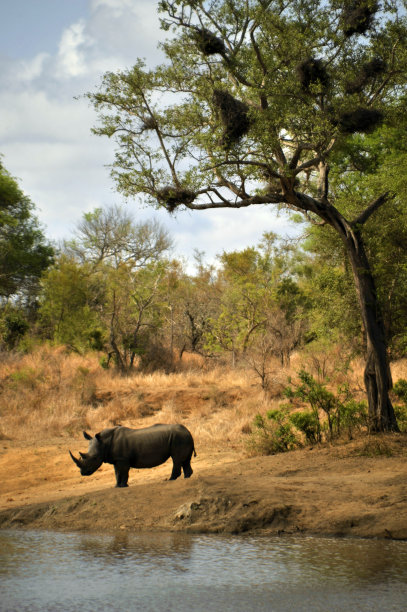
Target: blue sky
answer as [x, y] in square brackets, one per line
[52, 51]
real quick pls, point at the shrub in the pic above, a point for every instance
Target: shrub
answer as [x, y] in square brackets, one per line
[13, 327]
[341, 409]
[400, 390]
[308, 423]
[317, 395]
[272, 434]
[352, 415]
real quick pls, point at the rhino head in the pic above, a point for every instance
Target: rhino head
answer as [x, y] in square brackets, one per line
[93, 459]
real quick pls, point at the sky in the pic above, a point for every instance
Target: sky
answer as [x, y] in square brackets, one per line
[52, 52]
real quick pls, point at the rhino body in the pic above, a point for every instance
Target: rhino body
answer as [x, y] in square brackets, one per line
[127, 448]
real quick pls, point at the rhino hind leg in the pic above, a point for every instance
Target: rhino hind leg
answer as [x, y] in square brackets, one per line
[176, 471]
[188, 471]
[122, 475]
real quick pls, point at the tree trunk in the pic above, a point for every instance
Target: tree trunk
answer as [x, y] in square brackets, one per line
[377, 374]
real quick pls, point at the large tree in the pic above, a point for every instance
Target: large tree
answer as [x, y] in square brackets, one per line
[255, 103]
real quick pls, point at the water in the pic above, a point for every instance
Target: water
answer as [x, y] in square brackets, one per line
[164, 572]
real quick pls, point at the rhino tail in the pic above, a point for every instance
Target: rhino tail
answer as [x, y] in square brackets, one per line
[194, 452]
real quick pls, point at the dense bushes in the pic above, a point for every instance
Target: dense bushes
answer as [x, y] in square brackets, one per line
[326, 416]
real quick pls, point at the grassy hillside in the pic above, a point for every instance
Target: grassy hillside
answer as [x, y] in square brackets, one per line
[52, 392]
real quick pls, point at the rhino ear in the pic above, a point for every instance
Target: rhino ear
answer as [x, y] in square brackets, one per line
[87, 436]
[98, 437]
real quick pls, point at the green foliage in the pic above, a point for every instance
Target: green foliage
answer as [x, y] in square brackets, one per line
[24, 251]
[400, 390]
[318, 397]
[352, 416]
[292, 75]
[342, 411]
[104, 362]
[308, 423]
[70, 299]
[272, 434]
[262, 306]
[373, 164]
[13, 327]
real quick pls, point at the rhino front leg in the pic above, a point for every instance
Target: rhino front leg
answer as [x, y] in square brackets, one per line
[122, 474]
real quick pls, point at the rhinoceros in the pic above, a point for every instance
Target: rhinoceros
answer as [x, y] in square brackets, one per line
[127, 448]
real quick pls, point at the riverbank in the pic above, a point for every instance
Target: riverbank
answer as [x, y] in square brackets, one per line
[350, 489]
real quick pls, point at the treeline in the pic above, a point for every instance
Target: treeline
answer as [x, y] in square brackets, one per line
[117, 288]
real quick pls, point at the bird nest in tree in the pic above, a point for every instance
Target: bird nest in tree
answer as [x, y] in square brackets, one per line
[234, 116]
[208, 43]
[149, 123]
[312, 71]
[363, 120]
[368, 71]
[171, 197]
[358, 16]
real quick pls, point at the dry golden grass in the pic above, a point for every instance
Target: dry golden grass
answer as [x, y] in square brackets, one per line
[51, 392]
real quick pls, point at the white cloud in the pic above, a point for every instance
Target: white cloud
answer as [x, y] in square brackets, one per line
[34, 116]
[72, 50]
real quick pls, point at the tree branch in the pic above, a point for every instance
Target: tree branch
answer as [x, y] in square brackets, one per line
[266, 167]
[244, 203]
[373, 206]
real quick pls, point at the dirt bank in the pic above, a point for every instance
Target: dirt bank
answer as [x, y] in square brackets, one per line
[354, 489]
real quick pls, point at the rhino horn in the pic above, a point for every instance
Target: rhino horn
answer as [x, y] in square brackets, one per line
[75, 460]
[87, 436]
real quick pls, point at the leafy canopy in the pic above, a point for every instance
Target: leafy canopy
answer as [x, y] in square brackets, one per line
[24, 251]
[256, 96]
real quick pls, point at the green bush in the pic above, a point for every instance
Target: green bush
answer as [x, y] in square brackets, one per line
[400, 410]
[352, 415]
[272, 434]
[342, 411]
[13, 327]
[308, 423]
[317, 396]
[400, 389]
[401, 416]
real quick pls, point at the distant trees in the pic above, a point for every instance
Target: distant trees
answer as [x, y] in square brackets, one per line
[111, 236]
[101, 292]
[114, 289]
[24, 250]
[263, 310]
[24, 255]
